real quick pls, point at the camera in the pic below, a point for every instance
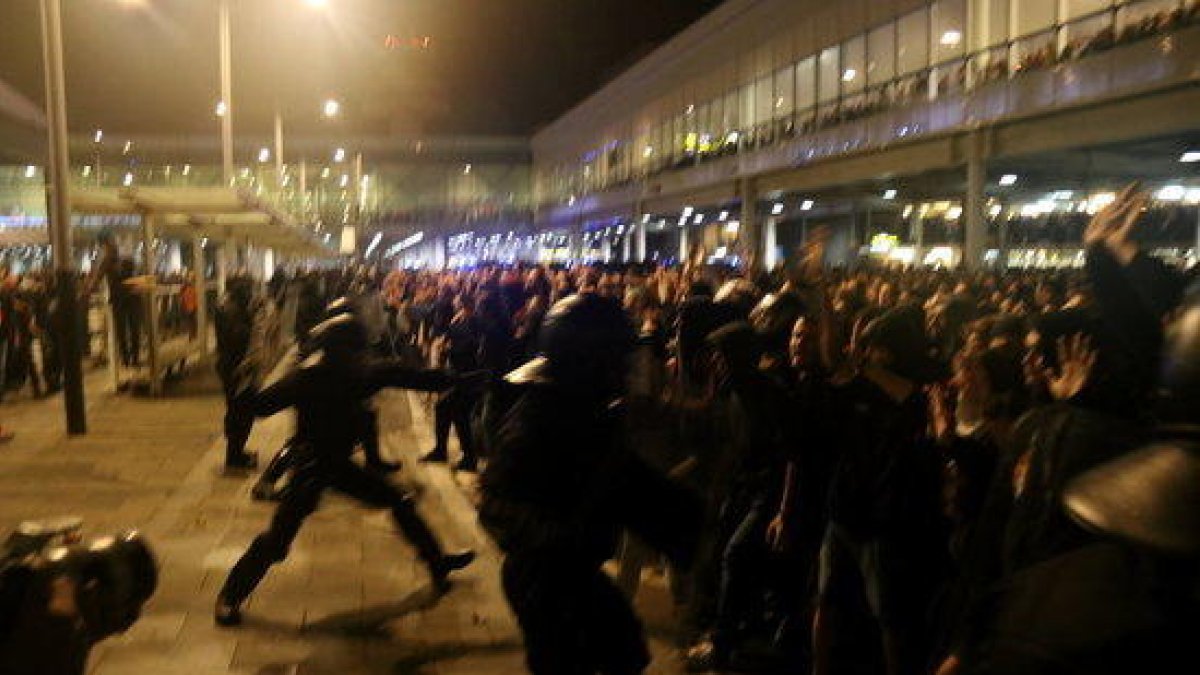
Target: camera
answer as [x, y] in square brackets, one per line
[60, 595]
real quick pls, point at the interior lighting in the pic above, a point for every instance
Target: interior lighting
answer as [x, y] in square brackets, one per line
[954, 213]
[732, 137]
[723, 216]
[344, 181]
[87, 170]
[647, 151]
[994, 210]
[187, 169]
[1060, 195]
[951, 38]
[1099, 201]
[264, 155]
[699, 218]
[128, 179]
[30, 171]
[128, 147]
[806, 205]
[889, 194]
[688, 211]
[732, 227]
[1192, 196]
[99, 136]
[849, 74]
[467, 170]
[221, 109]
[1171, 193]
[331, 108]
[777, 209]
[339, 155]
[645, 218]
[1190, 156]
[1008, 179]
[908, 209]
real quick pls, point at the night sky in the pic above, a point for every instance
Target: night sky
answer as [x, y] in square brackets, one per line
[490, 67]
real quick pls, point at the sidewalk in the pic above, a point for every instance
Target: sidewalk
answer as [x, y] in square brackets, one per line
[351, 599]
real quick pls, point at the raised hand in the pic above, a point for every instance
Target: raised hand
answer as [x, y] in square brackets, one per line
[1076, 359]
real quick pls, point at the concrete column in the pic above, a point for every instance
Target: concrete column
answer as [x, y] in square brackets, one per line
[770, 245]
[974, 214]
[221, 258]
[750, 233]
[916, 228]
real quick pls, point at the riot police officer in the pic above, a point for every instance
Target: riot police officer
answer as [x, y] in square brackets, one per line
[328, 396]
[561, 487]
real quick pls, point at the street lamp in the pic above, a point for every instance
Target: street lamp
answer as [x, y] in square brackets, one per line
[58, 168]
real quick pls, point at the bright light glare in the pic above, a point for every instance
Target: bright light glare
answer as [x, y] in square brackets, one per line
[264, 155]
[339, 155]
[221, 108]
[951, 38]
[30, 171]
[1171, 193]
[1190, 156]
[806, 205]
[889, 194]
[849, 75]
[99, 136]
[128, 180]
[331, 108]
[317, 3]
[777, 209]
[1008, 179]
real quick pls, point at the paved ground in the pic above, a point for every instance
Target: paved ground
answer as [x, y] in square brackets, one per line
[350, 600]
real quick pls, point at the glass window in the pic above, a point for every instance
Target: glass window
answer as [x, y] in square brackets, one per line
[829, 76]
[991, 23]
[949, 36]
[881, 54]
[785, 91]
[747, 106]
[913, 52]
[854, 65]
[1135, 12]
[1033, 16]
[1078, 8]
[764, 99]
[731, 113]
[806, 83]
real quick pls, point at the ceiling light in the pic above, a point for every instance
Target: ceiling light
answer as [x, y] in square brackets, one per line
[889, 194]
[806, 205]
[30, 171]
[1190, 156]
[99, 136]
[1008, 179]
[951, 38]
[724, 216]
[1061, 194]
[220, 110]
[777, 209]
[339, 155]
[645, 218]
[264, 155]
[688, 211]
[849, 75]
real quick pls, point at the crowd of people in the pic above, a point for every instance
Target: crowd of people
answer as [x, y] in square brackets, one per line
[841, 470]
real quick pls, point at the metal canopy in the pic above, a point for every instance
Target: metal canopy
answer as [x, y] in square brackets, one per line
[221, 214]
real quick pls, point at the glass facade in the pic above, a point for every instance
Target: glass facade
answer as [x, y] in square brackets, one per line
[944, 47]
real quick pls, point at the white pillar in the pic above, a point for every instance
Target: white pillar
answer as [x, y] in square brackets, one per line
[683, 245]
[640, 242]
[770, 246]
